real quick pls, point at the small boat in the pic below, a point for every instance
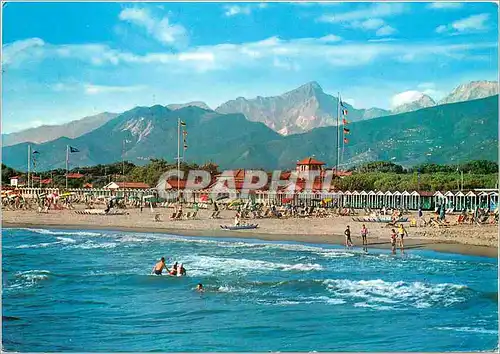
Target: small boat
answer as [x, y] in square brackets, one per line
[239, 227]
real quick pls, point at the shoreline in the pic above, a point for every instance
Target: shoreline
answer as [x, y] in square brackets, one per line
[411, 243]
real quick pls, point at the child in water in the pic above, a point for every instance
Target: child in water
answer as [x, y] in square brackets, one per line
[199, 288]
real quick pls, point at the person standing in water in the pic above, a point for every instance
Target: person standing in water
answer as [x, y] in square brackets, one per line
[158, 268]
[364, 233]
[394, 237]
[347, 233]
[402, 232]
[199, 288]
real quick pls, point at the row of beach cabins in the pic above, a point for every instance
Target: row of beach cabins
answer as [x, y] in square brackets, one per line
[458, 201]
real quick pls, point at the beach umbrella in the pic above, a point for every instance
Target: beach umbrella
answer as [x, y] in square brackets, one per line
[204, 198]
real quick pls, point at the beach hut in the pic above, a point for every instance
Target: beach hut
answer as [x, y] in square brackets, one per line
[340, 198]
[414, 200]
[371, 199]
[450, 200]
[388, 199]
[347, 198]
[379, 199]
[355, 197]
[363, 196]
[439, 198]
[493, 200]
[471, 200]
[459, 201]
[405, 199]
[396, 197]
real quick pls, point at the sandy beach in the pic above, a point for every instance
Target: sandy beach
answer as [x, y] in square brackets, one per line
[465, 239]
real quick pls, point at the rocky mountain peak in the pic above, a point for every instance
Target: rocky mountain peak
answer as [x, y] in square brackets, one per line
[471, 91]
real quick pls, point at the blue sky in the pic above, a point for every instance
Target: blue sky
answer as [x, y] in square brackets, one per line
[86, 58]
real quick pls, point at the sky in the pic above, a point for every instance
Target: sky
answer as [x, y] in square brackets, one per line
[86, 58]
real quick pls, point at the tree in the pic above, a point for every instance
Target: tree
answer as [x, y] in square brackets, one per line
[380, 166]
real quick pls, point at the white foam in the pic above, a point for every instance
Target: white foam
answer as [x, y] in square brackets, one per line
[28, 279]
[414, 294]
[49, 232]
[468, 329]
[205, 265]
[93, 245]
[66, 239]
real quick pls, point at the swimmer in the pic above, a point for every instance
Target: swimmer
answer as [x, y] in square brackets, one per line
[181, 270]
[199, 288]
[174, 269]
[158, 268]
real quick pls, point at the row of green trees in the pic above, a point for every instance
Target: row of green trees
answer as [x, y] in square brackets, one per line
[481, 167]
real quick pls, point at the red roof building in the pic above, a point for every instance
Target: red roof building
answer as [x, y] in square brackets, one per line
[309, 164]
[75, 175]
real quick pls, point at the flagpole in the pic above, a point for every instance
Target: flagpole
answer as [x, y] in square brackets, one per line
[123, 158]
[29, 164]
[338, 134]
[178, 158]
[67, 162]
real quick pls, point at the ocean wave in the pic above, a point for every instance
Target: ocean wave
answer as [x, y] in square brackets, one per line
[415, 294]
[469, 329]
[28, 279]
[93, 245]
[69, 233]
[205, 265]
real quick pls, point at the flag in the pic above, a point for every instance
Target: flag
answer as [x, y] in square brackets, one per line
[184, 132]
[345, 121]
[342, 104]
[346, 131]
[35, 152]
[72, 149]
[344, 112]
[183, 123]
[185, 147]
[346, 141]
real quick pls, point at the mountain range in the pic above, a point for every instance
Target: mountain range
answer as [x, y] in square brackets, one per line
[300, 110]
[438, 134]
[45, 133]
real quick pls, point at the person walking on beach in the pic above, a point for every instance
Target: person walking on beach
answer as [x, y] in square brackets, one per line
[394, 237]
[364, 233]
[158, 268]
[402, 233]
[347, 233]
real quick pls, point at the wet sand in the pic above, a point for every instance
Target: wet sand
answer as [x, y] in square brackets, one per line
[481, 240]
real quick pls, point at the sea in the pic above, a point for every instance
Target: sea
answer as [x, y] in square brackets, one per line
[92, 291]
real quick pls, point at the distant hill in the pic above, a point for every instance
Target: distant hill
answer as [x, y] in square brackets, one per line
[45, 133]
[440, 134]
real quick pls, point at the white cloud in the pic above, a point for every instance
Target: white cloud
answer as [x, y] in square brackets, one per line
[385, 31]
[160, 29]
[233, 10]
[376, 10]
[330, 38]
[405, 97]
[373, 24]
[90, 89]
[473, 23]
[444, 5]
[16, 51]
[326, 50]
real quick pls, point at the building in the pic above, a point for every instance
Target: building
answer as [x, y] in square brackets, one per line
[74, 175]
[309, 164]
[17, 181]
